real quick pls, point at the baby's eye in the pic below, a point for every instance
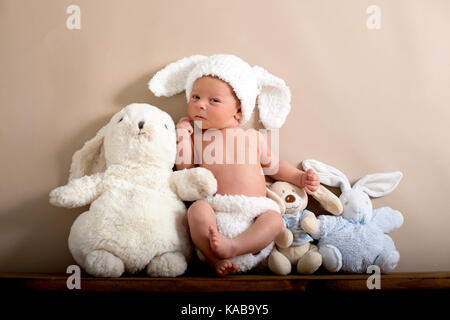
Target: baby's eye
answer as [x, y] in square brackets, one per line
[195, 97]
[215, 100]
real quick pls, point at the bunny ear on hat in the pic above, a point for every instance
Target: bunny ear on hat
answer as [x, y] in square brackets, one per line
[251, 84]
[171, 80]
[274, 99]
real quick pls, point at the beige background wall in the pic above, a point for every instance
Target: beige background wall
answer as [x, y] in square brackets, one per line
[363, 100]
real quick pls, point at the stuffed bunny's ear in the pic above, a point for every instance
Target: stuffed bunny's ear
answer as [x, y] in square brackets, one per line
[90, 158]
[328, 200]
[379, 184]
[172, 79]
[274, 99]
[328, 175]
[275, 197]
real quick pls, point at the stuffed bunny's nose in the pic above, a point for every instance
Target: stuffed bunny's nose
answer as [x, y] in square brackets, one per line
[141, 124]
[289, 198]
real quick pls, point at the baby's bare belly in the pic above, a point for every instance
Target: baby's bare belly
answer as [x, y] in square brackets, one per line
[240, 179]
[239, 170]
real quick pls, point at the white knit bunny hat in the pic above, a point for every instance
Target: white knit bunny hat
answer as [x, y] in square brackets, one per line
[250, 84]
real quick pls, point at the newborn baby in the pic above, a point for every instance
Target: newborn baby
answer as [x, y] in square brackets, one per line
[240, 207]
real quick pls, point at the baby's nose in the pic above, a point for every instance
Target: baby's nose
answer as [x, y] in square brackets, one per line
[141, 124]
[201, 104]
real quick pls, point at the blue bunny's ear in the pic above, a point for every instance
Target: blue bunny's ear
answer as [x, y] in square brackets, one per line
[379, 184]
[327, 174]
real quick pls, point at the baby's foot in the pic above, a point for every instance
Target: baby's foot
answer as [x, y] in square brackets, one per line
[224, 267]
[222, 246]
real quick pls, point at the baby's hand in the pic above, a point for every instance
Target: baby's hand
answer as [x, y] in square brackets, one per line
[310, 181]
[184, 123]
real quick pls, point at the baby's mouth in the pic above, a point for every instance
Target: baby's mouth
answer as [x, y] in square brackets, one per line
[200, 117]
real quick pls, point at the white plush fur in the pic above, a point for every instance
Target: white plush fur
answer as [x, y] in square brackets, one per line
[136, 219]
[235, 214]
[251, 85]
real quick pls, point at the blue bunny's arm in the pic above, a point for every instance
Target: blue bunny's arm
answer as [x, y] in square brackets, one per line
[387, 219]
[326, 225]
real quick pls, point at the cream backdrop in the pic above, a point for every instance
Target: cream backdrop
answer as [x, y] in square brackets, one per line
[364, 100]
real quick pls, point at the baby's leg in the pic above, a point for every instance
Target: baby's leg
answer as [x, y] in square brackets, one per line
[258, 236]
[200, 217]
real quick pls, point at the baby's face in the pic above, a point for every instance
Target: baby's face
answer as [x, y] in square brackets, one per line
[214, 103]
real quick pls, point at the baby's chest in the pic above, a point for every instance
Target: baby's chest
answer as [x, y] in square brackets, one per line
[230, 150]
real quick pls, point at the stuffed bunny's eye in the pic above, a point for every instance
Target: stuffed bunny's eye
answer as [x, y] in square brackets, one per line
[120, 120]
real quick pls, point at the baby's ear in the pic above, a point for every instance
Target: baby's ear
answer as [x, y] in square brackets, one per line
[238, 114]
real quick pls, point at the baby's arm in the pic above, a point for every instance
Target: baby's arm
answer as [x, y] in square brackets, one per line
[185, 145]
[282, 171]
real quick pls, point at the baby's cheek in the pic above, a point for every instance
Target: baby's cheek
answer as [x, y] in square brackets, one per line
[214, 114]
[190, 110]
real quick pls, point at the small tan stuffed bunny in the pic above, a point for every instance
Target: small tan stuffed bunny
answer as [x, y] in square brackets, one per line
[293, 244]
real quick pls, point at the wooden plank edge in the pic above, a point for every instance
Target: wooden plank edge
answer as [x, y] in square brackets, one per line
[235, 283]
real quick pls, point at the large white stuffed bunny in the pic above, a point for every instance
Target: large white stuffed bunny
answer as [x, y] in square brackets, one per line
[357, 239]
[136, 219]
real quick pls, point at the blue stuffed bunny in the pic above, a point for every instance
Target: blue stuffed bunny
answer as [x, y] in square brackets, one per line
[357, 239]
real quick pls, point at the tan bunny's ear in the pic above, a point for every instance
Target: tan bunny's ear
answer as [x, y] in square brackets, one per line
[274, 99]
[275, 197]
[328, 200]
[90, 158]
[172, 79]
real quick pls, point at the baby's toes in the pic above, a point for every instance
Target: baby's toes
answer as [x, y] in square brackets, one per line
[221, 270]
[212, 232]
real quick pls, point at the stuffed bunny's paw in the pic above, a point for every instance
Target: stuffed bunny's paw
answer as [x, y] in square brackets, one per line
[205, 182]
[388, 261]
[284, 238]
[331, 258]
[64, 196]
[310, 224]
[169, 264]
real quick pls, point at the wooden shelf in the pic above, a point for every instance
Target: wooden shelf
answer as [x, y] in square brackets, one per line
[235, 283]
